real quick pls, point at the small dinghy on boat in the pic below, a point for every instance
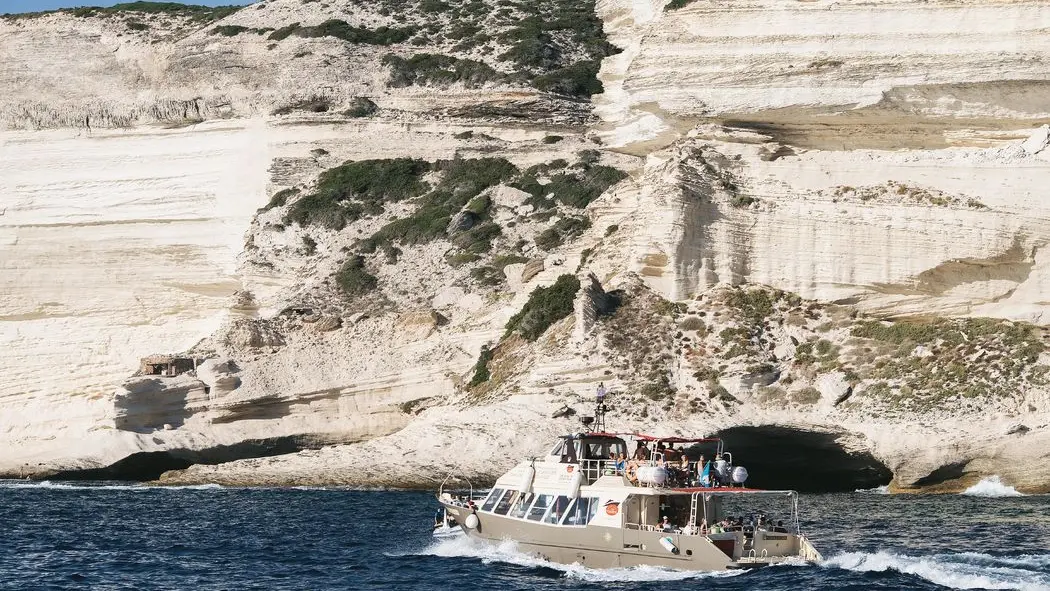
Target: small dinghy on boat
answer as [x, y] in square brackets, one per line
[445, 526]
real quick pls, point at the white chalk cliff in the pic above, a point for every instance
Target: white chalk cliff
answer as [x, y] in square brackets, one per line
[796, 173]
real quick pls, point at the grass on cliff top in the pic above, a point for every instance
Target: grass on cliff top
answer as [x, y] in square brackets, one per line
[546, 306]
[194, 11]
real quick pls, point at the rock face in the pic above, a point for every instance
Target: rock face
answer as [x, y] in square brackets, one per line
[817, 228]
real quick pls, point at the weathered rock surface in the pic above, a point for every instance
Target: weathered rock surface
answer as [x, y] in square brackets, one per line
[821, 149]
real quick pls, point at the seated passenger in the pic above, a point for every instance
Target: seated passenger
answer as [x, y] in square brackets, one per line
[779, 528]
[666, 526]
[621, 464]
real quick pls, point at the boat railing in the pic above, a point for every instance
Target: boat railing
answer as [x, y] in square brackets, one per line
[595, 469]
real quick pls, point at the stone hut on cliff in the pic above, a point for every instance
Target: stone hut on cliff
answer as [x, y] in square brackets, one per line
[166, 365]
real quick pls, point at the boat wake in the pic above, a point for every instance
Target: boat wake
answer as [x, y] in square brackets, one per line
[992, 487]
[968, 570]
[508, 552]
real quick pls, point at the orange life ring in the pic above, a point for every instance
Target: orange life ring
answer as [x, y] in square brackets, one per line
[631, 472]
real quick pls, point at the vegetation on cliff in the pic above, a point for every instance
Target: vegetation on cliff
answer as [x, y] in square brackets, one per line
[546, 306]
[193, 11]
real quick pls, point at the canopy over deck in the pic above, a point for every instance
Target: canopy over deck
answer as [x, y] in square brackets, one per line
[644, 437]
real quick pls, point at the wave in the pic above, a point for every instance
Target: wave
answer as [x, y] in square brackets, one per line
[992, 487]
[508, 552]
[968, 570]
[878, 490]
[50, 485]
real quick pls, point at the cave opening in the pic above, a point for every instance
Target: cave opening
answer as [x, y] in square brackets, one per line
[778, 457]
[147, 466]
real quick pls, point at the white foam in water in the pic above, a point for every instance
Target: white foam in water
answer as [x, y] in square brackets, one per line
[878, 490]
[47, 484]
[960, 571]
[507, 552]
[992, 487]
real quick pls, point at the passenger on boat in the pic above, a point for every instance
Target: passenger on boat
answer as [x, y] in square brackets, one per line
[671, 454]
[666, 526]
[779, 528]
[621, 463]
[720, 471]
[642, 453]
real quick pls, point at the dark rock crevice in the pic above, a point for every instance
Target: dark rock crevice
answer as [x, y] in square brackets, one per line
[144, 466]
[778, 457]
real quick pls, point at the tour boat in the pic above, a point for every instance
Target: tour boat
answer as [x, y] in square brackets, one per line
[576, 505]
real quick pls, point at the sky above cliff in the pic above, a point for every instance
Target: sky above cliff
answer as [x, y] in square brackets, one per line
[15, 6]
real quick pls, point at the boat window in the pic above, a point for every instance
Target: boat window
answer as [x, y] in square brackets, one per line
[558, 447]
[593, 510]
[557, 510]
[521, 506]
[579, 512]
[538, 509]
[490, 502]
[504, 504]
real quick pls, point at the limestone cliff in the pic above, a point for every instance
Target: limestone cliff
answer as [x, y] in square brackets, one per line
[420, 230]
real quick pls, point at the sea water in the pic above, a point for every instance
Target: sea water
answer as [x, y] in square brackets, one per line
[117, 536]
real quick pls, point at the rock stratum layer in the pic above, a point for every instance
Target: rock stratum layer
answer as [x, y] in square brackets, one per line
[418, 233]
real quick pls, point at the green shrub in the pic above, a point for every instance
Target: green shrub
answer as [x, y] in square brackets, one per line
[676, 4]
[479, 205]
[579, 190]
[579, 79]
[349, 33]
[280, 198]
[354, 279]
[440, 70]
[313, 104]
[546, 305]
[562, 230]
[481, 368]
[552, 139]
[361, 107]
[137, 26]
[462, 258]
[229, 30]
[611, 230]
[501, 262]
[479, 238]
[461, 181]
[487, 276]
[346, 193]
[284, 32]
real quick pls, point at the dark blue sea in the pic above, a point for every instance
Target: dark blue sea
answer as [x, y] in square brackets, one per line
[115, 536]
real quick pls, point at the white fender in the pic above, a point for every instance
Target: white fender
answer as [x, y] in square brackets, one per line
[471, 522]
[526, 480]
[739, 475]
[668, 544]
[652, 475]
[575, 483]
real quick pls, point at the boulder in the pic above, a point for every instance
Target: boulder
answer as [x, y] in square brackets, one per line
[328, 323]
[461, 222]
[532, 269]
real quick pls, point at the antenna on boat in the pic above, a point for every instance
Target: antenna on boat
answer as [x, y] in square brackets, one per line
[596, 423]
